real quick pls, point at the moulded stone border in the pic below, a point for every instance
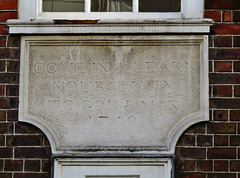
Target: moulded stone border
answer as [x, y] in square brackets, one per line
[177, 129]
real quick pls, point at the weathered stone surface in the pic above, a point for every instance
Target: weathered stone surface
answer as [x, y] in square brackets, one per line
[113, 93]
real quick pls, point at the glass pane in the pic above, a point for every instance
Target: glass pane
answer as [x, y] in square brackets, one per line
[111, 5]
[159, 5]
[63, 6]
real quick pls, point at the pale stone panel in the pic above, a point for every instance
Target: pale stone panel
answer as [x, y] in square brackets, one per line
[113, 93]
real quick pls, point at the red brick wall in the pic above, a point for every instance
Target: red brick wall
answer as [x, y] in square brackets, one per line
[206, 150]
[211, 149]
[24, 150]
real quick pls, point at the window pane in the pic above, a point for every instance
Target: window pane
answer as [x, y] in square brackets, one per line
[159, 5]
[111, 5]
[63, 6]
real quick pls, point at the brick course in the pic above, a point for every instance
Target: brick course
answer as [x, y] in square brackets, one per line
[24, 149]
[220, 138]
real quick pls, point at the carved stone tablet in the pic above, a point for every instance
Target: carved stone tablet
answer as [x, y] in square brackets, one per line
[114, 93]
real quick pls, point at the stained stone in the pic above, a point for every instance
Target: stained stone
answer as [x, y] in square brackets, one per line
[113, 93]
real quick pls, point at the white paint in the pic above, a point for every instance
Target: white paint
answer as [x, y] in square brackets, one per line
[112, 168]
[192, 9]
[32, 10]
[110, 26]
[115, 114]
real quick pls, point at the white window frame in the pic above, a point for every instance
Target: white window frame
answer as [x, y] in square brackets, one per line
[119, 167]
[189, 9]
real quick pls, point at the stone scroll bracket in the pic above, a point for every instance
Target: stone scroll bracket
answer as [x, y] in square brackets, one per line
[114, 94]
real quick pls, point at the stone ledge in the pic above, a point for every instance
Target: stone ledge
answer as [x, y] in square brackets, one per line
[109, 26]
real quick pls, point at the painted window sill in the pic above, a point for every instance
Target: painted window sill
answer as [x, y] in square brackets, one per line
[109, 26]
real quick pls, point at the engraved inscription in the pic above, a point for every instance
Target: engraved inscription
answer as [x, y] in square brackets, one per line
[122, 94]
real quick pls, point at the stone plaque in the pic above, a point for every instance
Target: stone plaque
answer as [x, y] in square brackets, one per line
[114, 93]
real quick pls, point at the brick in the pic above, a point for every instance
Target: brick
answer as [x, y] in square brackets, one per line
[2, 90]
[222, 91]
[8, 4]
[196, 128]
[236, 66]
[186, 140]
[2, 140]
[8, 53]
[1, 165]
[190, 175]
[236, 41]
[220, 140]
[221, 153]
[2, 41]
[13, 103]
[204, 165]
[193, 153]
[220, 115]
[238, 128]
[33, 152]
[222, 4]
[12, 90]
[186, 165]
[5, 175]
[225, 103]
[204, 140]
[235, 165]
[210, 114]
[223, 66]
[235, 115]
[210, 41]
[220, 165]
[24, 140]
[215, 15]
[13, 41]
[235, 140]
[4, 16]
[31, 175]
[224, 54]
[221, 175]
[210, 95]
[4, 53]
[227, 16]
[11, 78]
[13, 66]
[14, 53]
[6, 128]
[6, 152]
[26, 128]
[32, 165]
[2, 65]
[46, 166]
[225, 29]
[223, 41]
[3, 29]
[210, 66]
[2, 115]
[236, 16]
[217, 78]
[46, 141]
[13, 165]
[221, 128]
[12, 115]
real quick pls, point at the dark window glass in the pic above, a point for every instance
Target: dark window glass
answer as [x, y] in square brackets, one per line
[63, 6]
[159, 5]
[111, 5]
